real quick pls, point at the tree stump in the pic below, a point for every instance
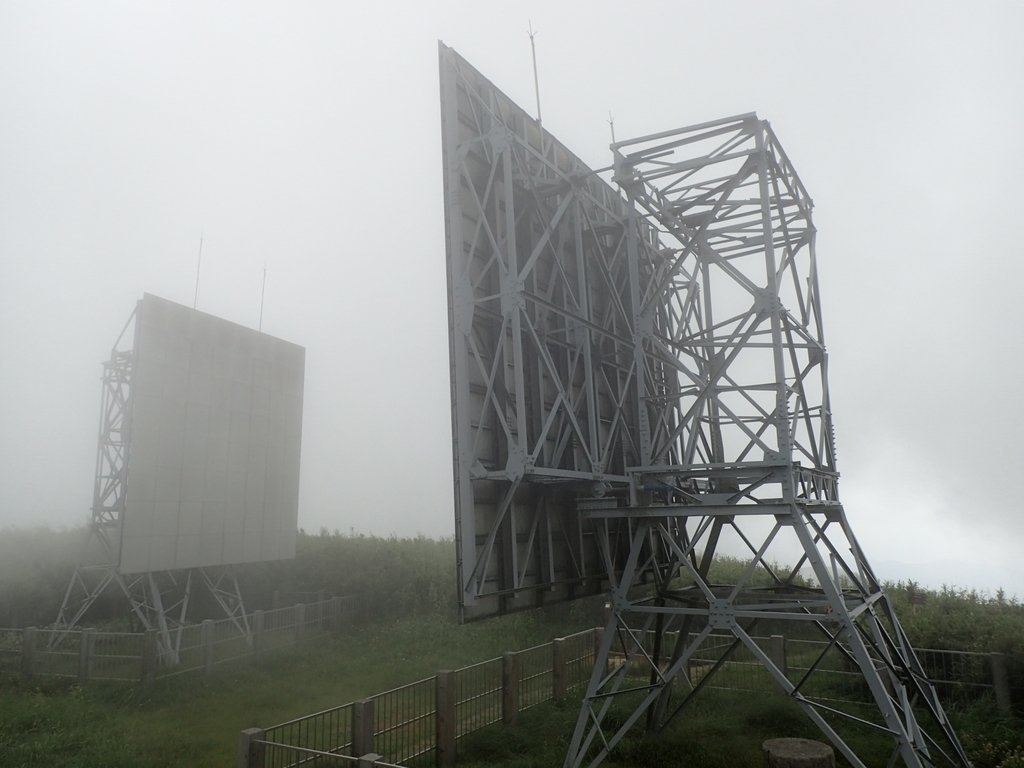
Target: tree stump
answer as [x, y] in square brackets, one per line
[798, 753]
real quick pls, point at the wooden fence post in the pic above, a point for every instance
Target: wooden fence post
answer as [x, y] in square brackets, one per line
[28, 652]
[256, 626]
[559, 671]
[150, 655]
[85, 649]
[444, 705]
[206, 640]
[777, 653]
[362, 727]
[1000, 682]
[299, 617]
[509, 687]
[251, 750]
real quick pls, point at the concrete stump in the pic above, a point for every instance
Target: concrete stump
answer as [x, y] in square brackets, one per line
[798, 753]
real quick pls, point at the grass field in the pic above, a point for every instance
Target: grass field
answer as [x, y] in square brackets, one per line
[725, 730]
[194, 721]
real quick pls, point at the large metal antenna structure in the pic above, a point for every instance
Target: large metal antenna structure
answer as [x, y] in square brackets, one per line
[196, 469]
[735, 433]
[158, 599]
[640, 381]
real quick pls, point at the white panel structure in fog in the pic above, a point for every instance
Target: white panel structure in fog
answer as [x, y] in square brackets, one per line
[213, 454]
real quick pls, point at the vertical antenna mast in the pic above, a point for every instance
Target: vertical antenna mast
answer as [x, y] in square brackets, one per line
[263, 293]
[199, 263]
[611, 124]
[536, 82]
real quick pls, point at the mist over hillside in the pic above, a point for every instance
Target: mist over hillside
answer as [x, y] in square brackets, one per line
[936, 574]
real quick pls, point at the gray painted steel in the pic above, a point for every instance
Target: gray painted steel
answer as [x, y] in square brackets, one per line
[542, 350]
[197, 467]
[639, 374]
[216, 425]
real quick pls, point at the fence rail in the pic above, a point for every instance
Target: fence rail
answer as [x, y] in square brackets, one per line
[89, 654]
[424, 723]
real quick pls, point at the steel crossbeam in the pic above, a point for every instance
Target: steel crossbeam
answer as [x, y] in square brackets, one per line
[640, 380]
[542, 345]
[158, 600]
[745, 447]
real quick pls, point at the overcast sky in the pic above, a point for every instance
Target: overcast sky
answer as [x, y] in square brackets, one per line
[305, 137]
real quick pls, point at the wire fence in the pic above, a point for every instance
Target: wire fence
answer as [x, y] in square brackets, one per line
[822, 669]
[825, 673]
[111, 656]
[424, 723]
[535, 666]
[10, 651]
[405, 723]
[477, 694]
[329, 731]
[87, 654]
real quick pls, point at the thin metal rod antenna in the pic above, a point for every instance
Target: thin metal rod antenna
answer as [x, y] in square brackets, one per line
[263, 293]
[611, 124]
[536, 81]
[199, 264]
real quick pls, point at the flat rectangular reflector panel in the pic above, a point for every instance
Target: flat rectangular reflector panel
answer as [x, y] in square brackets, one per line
[542, 350]
[213, 450]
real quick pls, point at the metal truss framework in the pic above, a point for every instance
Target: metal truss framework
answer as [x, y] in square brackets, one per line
[158, 600]
[738, 440]
[639, 376]
[542, 347]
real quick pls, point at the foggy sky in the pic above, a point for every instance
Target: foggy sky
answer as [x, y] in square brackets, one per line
[305, 137]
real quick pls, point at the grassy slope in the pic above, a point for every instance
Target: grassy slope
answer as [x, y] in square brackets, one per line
[723, 730]
[195, 721]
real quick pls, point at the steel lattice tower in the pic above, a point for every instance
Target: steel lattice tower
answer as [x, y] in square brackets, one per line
[639, 382]
[736, 437]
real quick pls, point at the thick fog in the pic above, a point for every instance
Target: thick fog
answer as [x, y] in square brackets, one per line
[304, 138]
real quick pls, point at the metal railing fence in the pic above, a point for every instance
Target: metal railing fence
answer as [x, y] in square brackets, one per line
[959, 676]
[113, 656]
[280, 627]
[424, 723]
[10, 651]
[190, 652]
[328, 731]
[535, 667]
[579, 654]
[268, 754]
[477, 697]
[54, 661]
[89, 654]
[405, 722]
